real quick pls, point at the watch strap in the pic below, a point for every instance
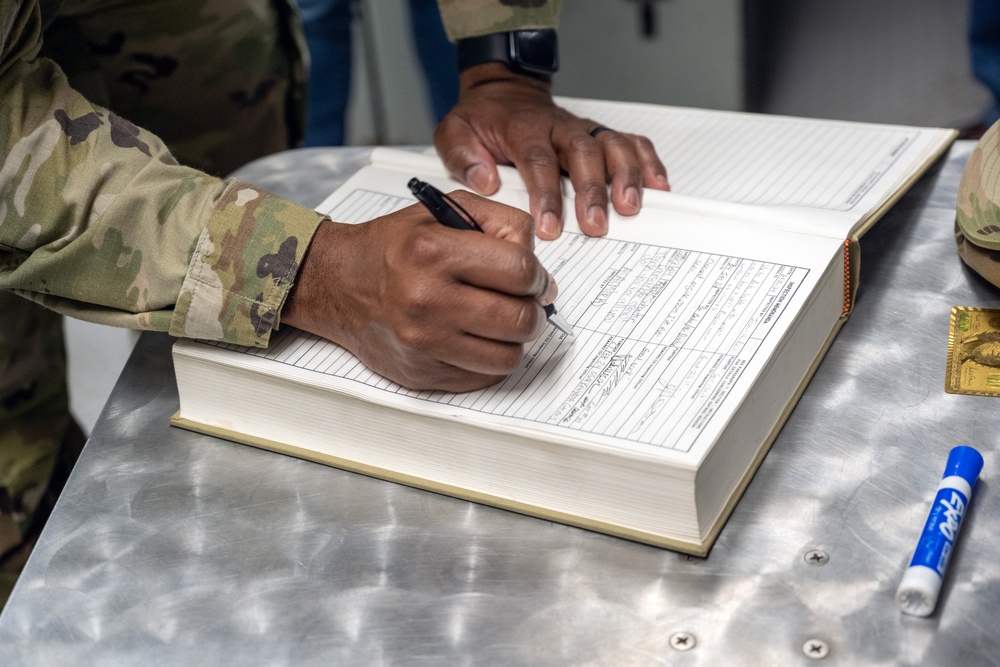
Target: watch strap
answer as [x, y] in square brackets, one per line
[519, 50]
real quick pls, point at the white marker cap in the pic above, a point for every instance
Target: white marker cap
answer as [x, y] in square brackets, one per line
[918, 591]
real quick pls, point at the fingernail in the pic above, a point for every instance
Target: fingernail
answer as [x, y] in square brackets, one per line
[551, 292]
[632, 198]
[478, 177]
[597, 221]
[549, 225]
[663, 182]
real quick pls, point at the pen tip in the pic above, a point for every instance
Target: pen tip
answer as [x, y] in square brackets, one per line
[559, 322]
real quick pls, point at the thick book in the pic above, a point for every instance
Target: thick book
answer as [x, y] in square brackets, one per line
[698, 323]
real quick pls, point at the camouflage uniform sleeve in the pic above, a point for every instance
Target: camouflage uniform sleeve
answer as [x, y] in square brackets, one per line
[470, 18]
[98, 221]
[977, 215]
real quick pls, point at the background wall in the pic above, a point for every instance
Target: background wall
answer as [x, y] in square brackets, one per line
[694, 57]
[890, 61]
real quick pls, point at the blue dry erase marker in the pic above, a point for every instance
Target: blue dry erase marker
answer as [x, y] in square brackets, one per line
[918, 591]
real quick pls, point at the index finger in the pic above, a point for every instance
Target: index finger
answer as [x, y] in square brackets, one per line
[498, 220]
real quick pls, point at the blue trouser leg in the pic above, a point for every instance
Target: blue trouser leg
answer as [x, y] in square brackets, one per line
[327, 26]
[984, 50]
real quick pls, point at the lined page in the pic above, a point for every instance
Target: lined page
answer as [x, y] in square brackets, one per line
[666, 333]
[772, 160]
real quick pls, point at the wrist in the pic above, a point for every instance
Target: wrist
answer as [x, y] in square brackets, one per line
[497, 73]
[308, 304]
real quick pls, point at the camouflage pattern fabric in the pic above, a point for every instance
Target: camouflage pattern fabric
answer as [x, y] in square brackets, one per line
[39, 442]
[977, 219]
[471, 18]
[99, 221]
[221, 82]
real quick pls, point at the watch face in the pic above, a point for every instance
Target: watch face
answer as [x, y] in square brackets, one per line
[535, 50]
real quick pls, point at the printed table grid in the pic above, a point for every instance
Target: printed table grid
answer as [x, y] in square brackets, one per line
[662, 336]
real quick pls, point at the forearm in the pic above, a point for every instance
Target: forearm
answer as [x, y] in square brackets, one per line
[98, 221]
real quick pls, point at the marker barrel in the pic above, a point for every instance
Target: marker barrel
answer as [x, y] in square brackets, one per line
[921, 583]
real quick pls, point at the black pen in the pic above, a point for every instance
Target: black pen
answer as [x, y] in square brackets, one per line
[450, 214]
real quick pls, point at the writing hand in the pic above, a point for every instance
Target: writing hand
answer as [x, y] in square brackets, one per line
[422, 304]
[508, 118]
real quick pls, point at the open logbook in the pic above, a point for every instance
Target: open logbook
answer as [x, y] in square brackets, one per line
[697, 325]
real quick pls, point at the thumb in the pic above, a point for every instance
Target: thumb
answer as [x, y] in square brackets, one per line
[465, 155]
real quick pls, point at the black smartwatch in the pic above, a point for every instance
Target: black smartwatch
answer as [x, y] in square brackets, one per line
[533, 52]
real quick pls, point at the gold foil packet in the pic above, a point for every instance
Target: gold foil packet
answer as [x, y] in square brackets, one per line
[974, 352]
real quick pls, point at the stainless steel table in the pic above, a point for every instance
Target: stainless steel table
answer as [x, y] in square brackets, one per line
[171, 548]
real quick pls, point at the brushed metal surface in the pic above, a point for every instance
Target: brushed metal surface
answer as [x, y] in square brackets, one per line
[172, 548]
